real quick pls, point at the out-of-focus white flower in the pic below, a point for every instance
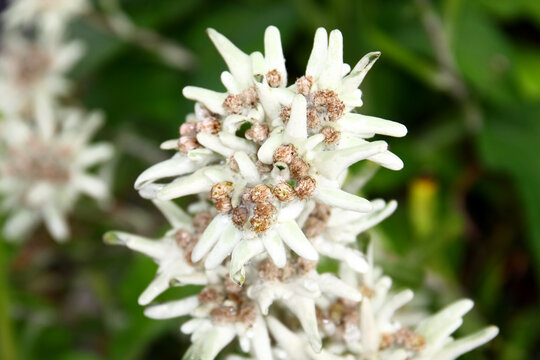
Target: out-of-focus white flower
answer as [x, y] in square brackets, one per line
[50, 17]
[44, 167]
[32, 70]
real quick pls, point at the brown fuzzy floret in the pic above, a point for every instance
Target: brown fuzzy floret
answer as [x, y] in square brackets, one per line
[263, 217]
[182, 238]
[261, 193]
[221, 190]
[233, 104]
[209, 295]
[188, 129]
[299, 168]
[313, 119]
[223, 205]
[329, 100]
[285, 153]
[304, 84]
[283, 192]
[409, 339]
[285, 114]
[263, 168]
[273, 77]
[240, 215]
[188, 143]
[209, 125]
[224, 314]
[331, 135]
[201, 221]
[305, 187]
[258, 133]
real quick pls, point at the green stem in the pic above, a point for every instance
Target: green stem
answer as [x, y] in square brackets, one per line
[8, 349]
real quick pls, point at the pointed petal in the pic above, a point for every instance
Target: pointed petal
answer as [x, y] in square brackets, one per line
[359, 72]
[364, 124]
[91, 185]
[56, 223]
[172, 167]
[94, 154]
[275, 248]
[331, 284]
[267, 149]
[20, 224]
[332, 163]
[238, 62]
[295, 239]
[273, 53]
[208, 346]
[330, 77]
[174, 214]
[187, 185]
[242, 253]
[431, 327]
[230, 237]
[209, 237]
[152, 248]
[318, 56]
[342, 199]
[214, 143]
[304, 309]
[211, 99]
[157, 286]
[368, 328]
[261, 340]
[297, 125]
[388, 160]
[456, 348]
[247, 168]
[172, 309]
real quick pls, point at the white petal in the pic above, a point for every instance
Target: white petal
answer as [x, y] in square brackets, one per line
[388, 160]
[209, 237]
[213, 143]
[187, 185]
[237, 143]
[461, 346]
[269, 102]
[304, 309]
[368, 328]
[91, 185]
[211, 99]
[385, 314]
[229, 238]
[208, 346]
[273, 53]
[94, 154]
[297, 125]
[238, 62]
[274, 246]
[374, 218]
[267, 149]
[172, 309]
[331, 284]
[242, 253]
[317, 59]
[362, 124]
[230, 83]
[247, 168]
[330, 77]
[261, 340]
[342, 199]
[157, 286]
[358, 73]
[172, 167]
[295, 239]
[152, 248]
[20, 224]
[333, 163]
[431, 327]
[56, 223]
[174, 214]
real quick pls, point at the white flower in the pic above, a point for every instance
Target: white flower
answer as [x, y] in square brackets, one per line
[288, 156]
[44, 167]
[272, 160]
[172, 252]
[32, 70]
[49, 16]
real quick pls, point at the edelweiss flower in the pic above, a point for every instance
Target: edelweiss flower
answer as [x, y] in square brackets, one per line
[44, 168]
[261, 181]
[221, 312]
[49, 16]
[370, 329]
[172, 252]
[32, 70]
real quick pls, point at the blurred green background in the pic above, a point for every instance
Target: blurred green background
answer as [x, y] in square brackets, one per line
[463, 76]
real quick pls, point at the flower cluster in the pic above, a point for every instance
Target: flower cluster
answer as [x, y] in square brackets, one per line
[45, 155]
[268, 162]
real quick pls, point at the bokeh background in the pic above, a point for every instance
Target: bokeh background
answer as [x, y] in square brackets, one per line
[463, 76]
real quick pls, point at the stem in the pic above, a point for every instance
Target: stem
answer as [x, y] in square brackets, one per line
[8, 349]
